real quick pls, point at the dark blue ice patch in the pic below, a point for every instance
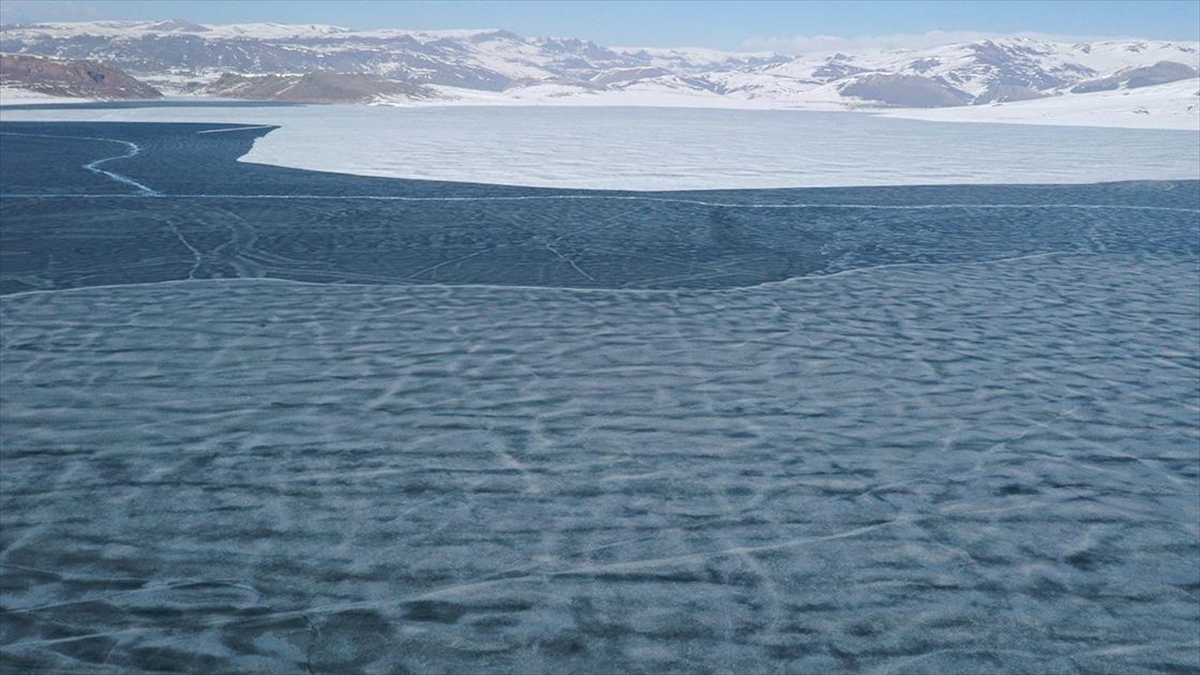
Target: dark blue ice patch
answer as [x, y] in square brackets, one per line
[210, 216]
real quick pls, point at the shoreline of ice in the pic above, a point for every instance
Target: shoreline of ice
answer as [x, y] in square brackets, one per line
[657, 149]
[1170, 106]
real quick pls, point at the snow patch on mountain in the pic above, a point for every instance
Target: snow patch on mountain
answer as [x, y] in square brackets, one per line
[1175, 105]
[498, 67]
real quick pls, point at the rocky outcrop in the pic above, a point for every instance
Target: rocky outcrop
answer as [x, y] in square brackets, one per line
[1003, 93]
[72, 78]
[1134, 78]
[908, 91]
[321, 87]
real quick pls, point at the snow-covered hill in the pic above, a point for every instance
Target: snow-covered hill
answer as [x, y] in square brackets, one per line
[500, 67]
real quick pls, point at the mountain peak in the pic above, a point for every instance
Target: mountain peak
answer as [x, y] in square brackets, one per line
[177, 25]
[187, 57]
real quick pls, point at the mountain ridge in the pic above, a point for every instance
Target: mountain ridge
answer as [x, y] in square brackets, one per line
[394, 66]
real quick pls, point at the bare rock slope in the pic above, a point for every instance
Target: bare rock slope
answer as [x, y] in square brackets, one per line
[71, 77]
[319, 87]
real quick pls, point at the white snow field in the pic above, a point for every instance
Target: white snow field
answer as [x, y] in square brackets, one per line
[963, 468]
[1174, 105]
[19, 96]
[679, 149]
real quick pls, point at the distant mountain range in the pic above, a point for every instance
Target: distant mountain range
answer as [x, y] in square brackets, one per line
[312, 63]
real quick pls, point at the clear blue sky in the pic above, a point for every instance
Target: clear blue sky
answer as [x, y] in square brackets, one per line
[718, 24]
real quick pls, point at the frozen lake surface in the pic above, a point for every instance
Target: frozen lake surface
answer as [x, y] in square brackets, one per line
[965, 468]
[171, 202]
[263, 419]
[673, 149]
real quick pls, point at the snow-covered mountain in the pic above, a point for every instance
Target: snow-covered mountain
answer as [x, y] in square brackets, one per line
[178, 56]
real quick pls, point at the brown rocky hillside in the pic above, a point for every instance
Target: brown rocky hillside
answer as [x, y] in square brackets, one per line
[66, 77]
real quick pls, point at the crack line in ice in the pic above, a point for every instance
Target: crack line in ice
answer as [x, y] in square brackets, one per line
[511, 462]
[570, 262]
[732, 551]
[666, 200]
[75, 638]
[904, 664]
[770, 588]
[535, 573]
[448, 262]
[148, 589]
[221, 131]
[565, 289]
[94, 166]
[1034, 425]
[1140, 647]
[199, 258]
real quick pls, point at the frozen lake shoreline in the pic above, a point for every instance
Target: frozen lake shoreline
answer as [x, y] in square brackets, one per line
[677, 149]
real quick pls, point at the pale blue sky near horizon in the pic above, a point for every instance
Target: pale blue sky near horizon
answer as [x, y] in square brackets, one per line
[719, 24]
